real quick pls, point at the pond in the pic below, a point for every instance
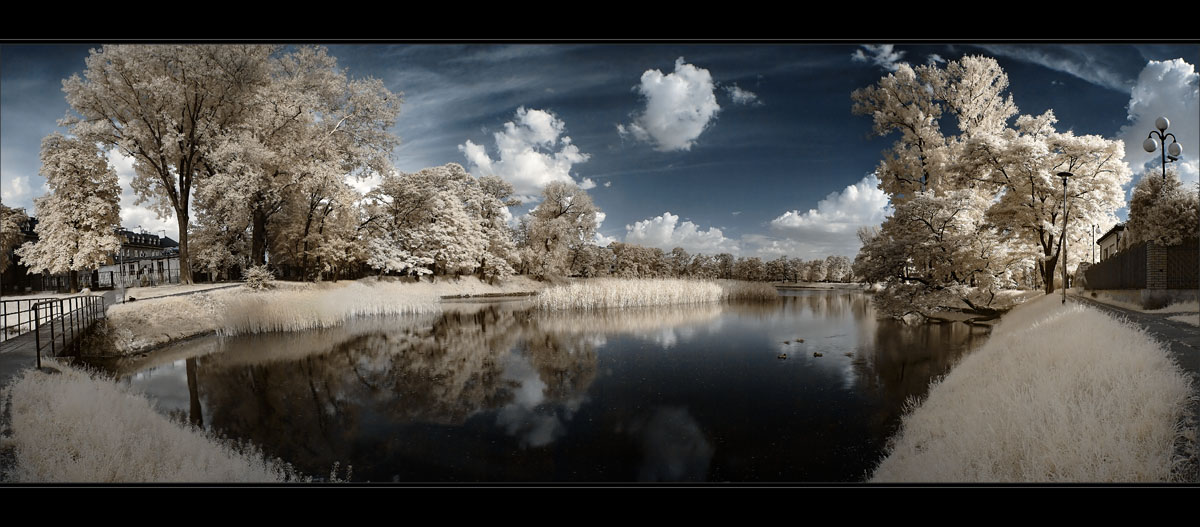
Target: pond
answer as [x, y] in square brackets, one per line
[500, 391]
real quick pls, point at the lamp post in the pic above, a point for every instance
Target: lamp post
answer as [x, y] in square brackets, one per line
[1064, 176]
[1174, 151]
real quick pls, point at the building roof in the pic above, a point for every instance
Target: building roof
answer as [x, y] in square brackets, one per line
[1116, 230]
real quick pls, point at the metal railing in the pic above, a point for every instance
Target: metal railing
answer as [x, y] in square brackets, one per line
[16, 317]
[72, 316]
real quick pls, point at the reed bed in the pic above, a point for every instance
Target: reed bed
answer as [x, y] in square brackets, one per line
[741, 290]
[1057, 394]
[601, 293]
[74, 427]
[296, 310]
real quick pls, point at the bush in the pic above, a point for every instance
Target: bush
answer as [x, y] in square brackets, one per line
[259, 277]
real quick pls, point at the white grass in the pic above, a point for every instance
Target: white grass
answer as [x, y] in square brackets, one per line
[138, 326]
[1192, 319]
[1056, 394]
[297, 310]
[743, 290]
[602, 293]
[71, 427]
[1191, 306]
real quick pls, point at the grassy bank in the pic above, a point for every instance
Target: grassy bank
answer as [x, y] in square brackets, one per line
[136, 327]
[1058, 394]
[71, 427]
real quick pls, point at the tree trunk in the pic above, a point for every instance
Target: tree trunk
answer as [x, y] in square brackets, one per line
[258, 236]
[185, 262]
[74, 281]
[1048, 267]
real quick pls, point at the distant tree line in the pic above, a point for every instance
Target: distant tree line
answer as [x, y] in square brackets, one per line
[627, 260]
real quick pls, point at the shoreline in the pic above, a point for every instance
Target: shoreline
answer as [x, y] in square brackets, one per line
[1025, 407]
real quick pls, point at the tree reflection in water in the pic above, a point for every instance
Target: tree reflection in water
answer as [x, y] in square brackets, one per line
[503, 392]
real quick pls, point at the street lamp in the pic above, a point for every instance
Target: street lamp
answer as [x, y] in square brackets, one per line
[1174, 151]
[1064, 176]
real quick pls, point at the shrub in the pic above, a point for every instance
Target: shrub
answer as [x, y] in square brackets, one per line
[259, 277]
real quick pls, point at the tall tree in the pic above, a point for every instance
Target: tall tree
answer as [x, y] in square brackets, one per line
[11, 220]
[308, 121]
[1020, 166]
[1162, 211]
[167, 107]
[563, 221]
[77, 220]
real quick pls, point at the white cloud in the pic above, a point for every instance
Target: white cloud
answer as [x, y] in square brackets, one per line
[741, 96]
[679, 106]
[832, 226]
[883, 55]
[666, 232]
[133, 215]
[364, 185]
[533, 152]
[934, 58]
[14, 189]
[600, 239]
[1171, 89]
[607, 184]
[587, 184]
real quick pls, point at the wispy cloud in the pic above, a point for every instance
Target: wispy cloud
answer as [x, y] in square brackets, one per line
[1085, 62]
[741, 96]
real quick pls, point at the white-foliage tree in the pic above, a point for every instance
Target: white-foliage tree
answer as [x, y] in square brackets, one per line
[168, 107]
[1021, 165]
[440, 221]
[305, 125]
[77, 220]
[10, 231]
[1162, 211]
[995, 184]
[563, 222]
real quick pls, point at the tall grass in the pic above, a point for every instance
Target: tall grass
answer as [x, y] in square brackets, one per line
[739, 290]
[1056, 394]
[601, 293]
[73, 427]
[320, 308]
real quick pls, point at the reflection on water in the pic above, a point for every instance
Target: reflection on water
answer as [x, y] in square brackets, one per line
[502, 392]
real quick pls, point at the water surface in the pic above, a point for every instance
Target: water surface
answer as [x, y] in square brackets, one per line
[499, 391]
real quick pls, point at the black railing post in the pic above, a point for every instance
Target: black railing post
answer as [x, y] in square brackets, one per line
[37, 337]
[50, 319]
[62, 310]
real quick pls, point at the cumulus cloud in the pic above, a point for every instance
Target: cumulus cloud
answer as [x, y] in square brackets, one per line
[934, 58]
[666, 232]
[600, 239]
[133, 215]
[14, 190]
[607, 184]
[533, 152]
[883, 55]
[587, 184]
[1171, 89]
[679, 106]
[741, 96]
[832, 227]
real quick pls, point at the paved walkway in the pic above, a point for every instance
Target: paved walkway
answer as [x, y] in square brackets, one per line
[1182, 341]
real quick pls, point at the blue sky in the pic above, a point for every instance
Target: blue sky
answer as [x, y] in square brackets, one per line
[746, 148]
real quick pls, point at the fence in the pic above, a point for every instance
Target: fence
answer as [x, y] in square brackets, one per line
[16, 316]
[1148, 266]
[110, 279]
[73, 315]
